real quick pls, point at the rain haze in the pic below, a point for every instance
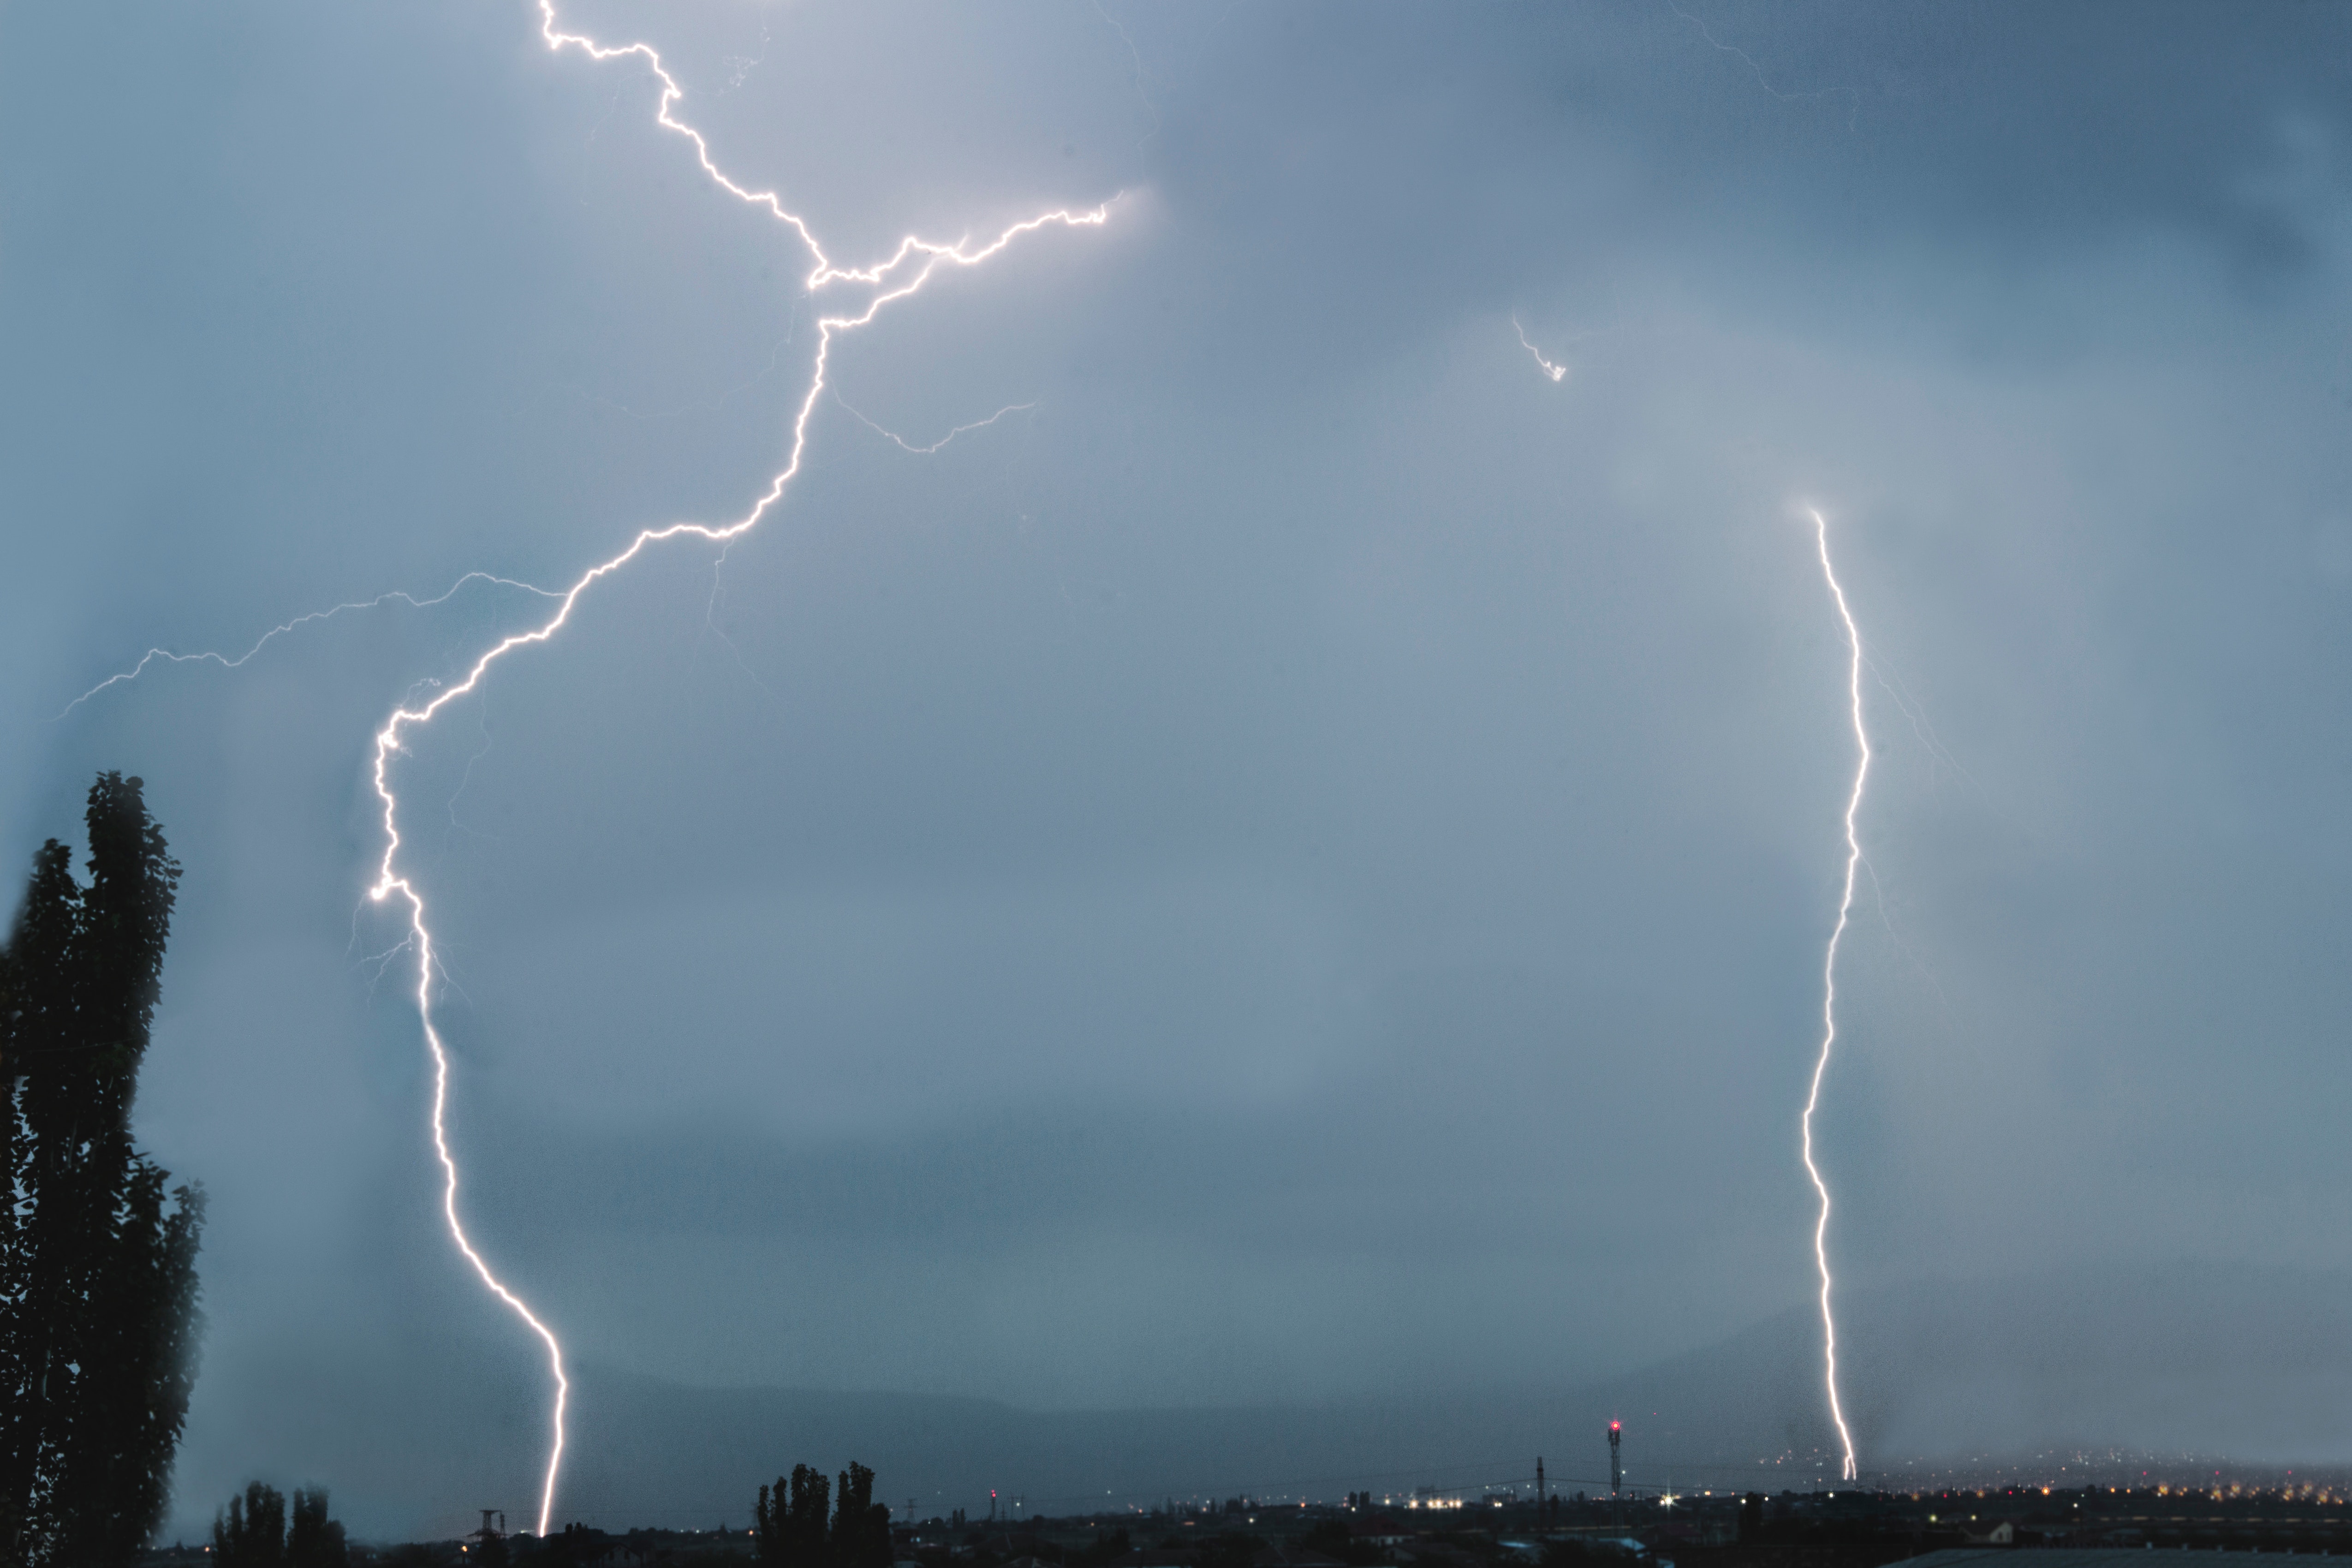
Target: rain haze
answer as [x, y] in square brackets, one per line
[1256, 915]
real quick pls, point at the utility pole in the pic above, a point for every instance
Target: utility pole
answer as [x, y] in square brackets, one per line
[1540, 1513]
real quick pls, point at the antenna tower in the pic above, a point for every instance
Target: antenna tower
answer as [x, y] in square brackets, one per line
[1617, 1473]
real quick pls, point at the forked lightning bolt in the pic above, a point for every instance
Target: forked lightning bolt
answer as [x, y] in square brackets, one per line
[912, 263]
[903, 272]
[1829, 984]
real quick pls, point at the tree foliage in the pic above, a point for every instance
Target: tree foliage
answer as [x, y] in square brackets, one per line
[789, 1525]
[861, 1527]
[253, 1531]
[98, 1282]
[313, 1539]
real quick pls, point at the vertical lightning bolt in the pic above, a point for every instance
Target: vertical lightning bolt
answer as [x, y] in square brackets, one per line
[904, 271]
[1828, 986]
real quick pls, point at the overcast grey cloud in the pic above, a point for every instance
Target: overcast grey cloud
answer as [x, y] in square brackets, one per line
[1290, 869]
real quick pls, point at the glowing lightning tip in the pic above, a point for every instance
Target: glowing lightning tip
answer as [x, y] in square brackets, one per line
[1559, 372]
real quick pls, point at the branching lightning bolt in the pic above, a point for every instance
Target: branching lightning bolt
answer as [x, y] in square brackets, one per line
[1829, 986]
[1853, 99]
[912, 264]
[1557, 371]
[903, 272]
[274, 633]
[926, 451]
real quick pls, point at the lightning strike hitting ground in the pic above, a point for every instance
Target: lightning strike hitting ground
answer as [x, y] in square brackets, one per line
[912, 263]
[903, 272]
[1828, 986]
[1557, 371]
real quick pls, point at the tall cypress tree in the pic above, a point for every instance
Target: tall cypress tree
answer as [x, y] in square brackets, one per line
[98, 1283]
[789, 1522]
[256, 1531]
[790, 1529]
[861, 1527]
[313, 1539]
[804, 1542]
[251, 1533]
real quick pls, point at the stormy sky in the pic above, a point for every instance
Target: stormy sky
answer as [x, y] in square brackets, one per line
[1292, 866]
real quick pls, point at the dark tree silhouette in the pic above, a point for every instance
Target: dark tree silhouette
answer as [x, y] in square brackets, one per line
[98, 1283]
[767, 1524]
[861, 1527]
[789, 1525]
[788, 1521]
[312, 1540]
[253, 1531]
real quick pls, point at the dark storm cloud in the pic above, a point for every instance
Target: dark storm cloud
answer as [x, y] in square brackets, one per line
[1295, 868]
[1329, 163]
